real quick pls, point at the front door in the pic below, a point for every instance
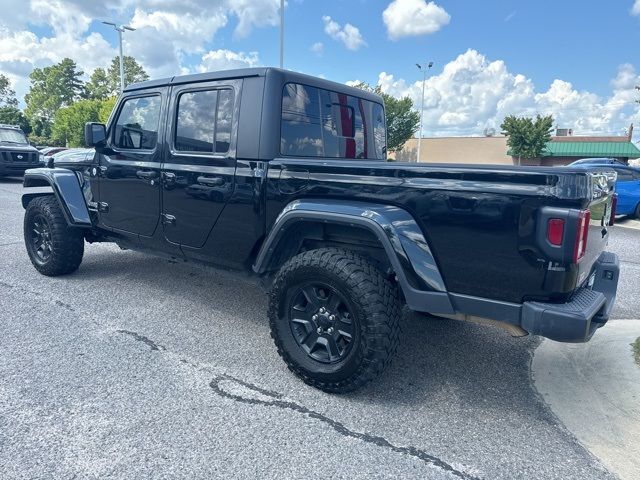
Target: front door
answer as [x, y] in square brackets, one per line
[129, 168]
[199, 173]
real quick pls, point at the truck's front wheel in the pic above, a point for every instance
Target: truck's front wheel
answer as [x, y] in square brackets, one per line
[334, 318]
[54, 248]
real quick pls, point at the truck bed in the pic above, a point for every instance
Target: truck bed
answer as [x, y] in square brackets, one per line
[480, 221]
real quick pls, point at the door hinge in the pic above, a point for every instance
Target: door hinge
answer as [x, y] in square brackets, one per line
[103, 207]
[168, 219]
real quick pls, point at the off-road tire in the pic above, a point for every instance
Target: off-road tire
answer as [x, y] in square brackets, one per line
[376, 307]
[67, 243]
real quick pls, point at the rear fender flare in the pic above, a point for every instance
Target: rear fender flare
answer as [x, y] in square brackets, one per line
[397, 231]
[66, 188]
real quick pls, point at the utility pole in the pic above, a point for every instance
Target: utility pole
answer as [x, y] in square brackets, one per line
[281, 33]
[120, 29]
[425, 69]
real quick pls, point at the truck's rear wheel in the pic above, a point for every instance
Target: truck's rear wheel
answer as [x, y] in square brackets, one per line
[334, 318]
[54, 248]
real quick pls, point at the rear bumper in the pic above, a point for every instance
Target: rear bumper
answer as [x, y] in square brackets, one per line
[587, 310]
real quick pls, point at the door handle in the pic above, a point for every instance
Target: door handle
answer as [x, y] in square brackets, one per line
[147, 175]
[210, 181]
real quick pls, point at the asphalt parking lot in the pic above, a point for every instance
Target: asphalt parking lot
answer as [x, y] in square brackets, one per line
[137, 367]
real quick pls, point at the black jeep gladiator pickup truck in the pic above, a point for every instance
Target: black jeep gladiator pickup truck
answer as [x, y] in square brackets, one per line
[284, 176]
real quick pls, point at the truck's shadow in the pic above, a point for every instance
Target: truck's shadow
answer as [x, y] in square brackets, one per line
[437, 360]
[10, 180]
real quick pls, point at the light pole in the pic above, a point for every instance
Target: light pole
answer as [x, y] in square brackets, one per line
[281, 33]
[120, 29]
[425, 69]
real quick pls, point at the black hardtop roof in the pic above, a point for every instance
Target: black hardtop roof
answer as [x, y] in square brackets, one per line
[288, 75]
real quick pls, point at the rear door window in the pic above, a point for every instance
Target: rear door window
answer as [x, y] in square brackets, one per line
[204, 121]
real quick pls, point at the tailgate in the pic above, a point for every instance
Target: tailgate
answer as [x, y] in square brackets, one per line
[600, 209]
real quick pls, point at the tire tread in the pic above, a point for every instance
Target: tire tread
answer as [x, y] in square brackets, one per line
[380, 302]
[68, 242]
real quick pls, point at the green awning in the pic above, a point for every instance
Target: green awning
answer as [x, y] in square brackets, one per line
[591, 149]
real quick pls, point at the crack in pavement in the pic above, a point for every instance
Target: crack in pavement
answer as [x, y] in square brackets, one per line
[275, 400]
[141, 338]
[39, 295]
[252, 394]
[10, 243]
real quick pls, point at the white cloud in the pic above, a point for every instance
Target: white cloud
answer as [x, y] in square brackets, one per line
[254, 13]
[405, 18]
[635, 10]
[472, 93]
[317, 48]
[167, 32]
[22, 51]
[226, 60]
[349, 35]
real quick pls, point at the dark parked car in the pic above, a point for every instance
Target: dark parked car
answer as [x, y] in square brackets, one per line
[283, 176]
[597, 161]
[16, 154]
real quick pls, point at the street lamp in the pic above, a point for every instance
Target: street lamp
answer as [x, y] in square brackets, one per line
[281, 33]
[120, 29]
[425, 69]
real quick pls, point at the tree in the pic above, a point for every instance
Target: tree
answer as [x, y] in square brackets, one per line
[105, 108]
[7, 94]
[527, 137]
[52, 88]
[68, 123]
[133, 73]
[12, 116]
[402, 121]
[97, 88]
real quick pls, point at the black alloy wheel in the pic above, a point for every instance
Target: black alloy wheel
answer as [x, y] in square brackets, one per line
[41, 241]
[322, 322]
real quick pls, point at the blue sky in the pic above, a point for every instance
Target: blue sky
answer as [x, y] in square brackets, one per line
[577, 60]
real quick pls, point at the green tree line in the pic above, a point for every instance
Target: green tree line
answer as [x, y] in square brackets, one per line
[59, 102]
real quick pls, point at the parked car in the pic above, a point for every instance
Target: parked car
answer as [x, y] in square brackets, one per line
[48, 151]
[283, 176]
[71, 156]
[16, 154]
[627, 187]
[597, 161]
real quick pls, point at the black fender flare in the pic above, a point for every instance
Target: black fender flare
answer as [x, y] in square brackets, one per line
[66, 188]
[397, 231]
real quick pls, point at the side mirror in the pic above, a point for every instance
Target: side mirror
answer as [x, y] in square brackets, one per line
[95, 134]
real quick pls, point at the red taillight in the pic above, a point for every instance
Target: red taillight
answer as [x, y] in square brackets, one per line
[614, 206]
[555, 231]
[582, 233]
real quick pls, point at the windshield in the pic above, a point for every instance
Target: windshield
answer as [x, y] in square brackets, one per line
[12, 136]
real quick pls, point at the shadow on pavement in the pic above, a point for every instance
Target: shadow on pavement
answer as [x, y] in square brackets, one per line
[10, 180]
[436, 357]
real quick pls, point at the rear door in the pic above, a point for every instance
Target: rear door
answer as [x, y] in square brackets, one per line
[199, 173]
[129, 168]
[628, 190]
